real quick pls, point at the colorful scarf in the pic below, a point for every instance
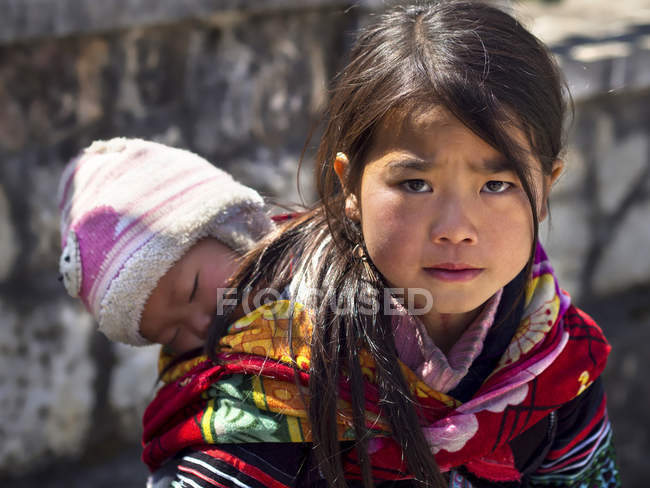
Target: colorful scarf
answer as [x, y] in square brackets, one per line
[258, 391]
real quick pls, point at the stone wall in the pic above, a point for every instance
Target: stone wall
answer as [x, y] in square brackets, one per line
[240, 82]
[600, 235]
[241, 88]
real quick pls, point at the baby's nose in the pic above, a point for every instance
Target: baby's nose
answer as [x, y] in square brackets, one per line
[200, 324]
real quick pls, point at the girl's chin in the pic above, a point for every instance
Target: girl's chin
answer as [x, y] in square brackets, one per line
[439, 301]
[453, 307]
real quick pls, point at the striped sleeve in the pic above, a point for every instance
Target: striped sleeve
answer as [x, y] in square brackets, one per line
[255, 465]
[582, 454]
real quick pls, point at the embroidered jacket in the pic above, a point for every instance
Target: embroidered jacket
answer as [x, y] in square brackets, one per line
[530, 412]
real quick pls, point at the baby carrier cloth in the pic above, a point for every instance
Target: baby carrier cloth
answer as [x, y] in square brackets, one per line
[257, 392]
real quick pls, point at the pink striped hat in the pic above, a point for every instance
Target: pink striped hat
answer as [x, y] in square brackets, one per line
[129, 210]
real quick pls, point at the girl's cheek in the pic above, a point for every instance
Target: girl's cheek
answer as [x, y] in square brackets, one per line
[390, 233]
[383, 201]
[383, 214]
[510, 227]
[513, 208]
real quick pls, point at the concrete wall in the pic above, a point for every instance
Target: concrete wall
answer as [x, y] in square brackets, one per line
[240, 82]
[239, 86]
[600, 236]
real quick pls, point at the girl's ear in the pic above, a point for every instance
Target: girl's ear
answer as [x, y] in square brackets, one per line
[558, 168]
[549, 181]
[341, 167]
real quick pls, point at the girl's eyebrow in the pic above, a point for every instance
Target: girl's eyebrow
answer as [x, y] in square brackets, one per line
[410, 163]
[497, 164]
[196, 285]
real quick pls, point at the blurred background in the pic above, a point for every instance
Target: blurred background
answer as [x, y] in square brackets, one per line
[241, 83]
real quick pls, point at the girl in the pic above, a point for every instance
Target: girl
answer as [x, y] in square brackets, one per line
[413, 333]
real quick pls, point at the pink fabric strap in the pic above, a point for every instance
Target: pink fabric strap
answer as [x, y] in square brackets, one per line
[418, 351]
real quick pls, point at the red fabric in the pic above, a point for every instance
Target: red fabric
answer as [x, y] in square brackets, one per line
[285, 217]
[248, 469]
[597, 418]
[171, 421]
[198, 474]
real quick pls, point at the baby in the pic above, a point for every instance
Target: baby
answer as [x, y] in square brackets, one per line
[149, 234]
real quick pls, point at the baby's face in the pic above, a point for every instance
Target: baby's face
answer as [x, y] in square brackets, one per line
[181, 307]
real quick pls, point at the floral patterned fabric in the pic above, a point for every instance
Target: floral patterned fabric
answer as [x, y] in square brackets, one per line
[252, 395]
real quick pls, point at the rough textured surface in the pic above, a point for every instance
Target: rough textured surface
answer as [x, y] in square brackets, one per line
[242, 87]
[241, 91]
[599, 207]
[625, 318]
[8, 249]
[27, 19]
[47, 396]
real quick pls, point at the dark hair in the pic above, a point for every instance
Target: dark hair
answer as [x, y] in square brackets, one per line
[491, 74]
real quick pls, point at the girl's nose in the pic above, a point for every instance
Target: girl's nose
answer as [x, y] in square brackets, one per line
[454, 223]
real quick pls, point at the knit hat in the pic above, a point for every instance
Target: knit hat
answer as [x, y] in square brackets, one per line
[130, 209]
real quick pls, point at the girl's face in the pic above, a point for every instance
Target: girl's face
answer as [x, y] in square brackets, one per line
[440, 212]
[181, 307]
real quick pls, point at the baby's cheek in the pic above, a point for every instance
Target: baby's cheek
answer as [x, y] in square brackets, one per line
[187, 342]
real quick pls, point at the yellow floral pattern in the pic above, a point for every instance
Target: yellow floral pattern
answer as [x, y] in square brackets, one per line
[541, 309]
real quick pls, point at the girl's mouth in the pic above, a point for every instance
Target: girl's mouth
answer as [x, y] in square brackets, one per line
[453, 272]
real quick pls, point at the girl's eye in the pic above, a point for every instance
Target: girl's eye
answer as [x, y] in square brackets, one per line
[495, 186]
[416, 186]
